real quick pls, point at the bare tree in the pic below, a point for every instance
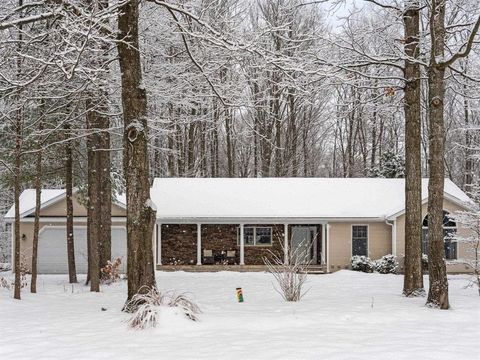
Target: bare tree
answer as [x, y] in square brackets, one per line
[413, 277]
[140, 214]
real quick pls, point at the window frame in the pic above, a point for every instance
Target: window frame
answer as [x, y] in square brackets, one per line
[453, 241]
[368, 239]
[255, 236]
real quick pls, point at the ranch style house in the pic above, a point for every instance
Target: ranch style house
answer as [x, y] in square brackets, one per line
[233, 223]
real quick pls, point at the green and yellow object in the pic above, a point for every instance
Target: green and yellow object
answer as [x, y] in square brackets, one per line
[239, 294]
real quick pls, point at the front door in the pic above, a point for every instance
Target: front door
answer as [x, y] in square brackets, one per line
[303, 244]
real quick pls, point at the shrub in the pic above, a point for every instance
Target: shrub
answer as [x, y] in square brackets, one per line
[388, 264]
[424, 263]
[289, 277]
[111, 271]
[362, 263]
[5, 267]
[146, 306]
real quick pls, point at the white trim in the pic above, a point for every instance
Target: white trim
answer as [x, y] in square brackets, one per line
[263, 220]
[55, 200]
[368, 238]
[328, 247]
[154, 245]
[242, 245]
[159, 244]
[43, 228]
[446, 196]
[285, 244]
[12, 259]
[48, 203]
[255, 236]
[324, 242]
[199, 244]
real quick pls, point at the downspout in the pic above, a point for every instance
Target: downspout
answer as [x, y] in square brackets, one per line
[393, 224]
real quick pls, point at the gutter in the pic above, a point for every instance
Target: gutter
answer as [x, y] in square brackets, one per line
[393, 224]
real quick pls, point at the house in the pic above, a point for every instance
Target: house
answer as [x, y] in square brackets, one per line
[239, 221]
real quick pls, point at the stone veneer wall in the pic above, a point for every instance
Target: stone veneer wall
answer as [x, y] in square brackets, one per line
[179, 243]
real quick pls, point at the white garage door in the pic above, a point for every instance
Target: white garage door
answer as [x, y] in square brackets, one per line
[52, 249]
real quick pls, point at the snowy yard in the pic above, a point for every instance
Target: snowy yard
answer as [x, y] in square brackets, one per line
[345, 315]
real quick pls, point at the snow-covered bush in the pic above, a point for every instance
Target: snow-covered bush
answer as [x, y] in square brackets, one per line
[388, 264]
[146, 306]
[424, 263]
[5, 267]
[362, 263]
[111, 271]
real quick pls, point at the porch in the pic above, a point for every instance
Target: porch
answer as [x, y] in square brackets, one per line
[239, 246]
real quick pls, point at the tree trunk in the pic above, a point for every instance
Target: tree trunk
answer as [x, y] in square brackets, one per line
[438, 289]
[72, 272]
[17, 191]
[230, 152]
[413, 277]
[38, 202]
[140, 214]
[468, 179]
[18, 178]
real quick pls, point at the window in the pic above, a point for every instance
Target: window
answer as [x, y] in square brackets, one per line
[256, 236]
[449, 231]
[360, 240]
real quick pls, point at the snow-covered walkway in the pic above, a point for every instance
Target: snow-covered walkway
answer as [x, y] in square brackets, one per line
[345, 315]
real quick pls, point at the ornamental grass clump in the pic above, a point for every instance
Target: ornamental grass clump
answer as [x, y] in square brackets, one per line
[147, 305]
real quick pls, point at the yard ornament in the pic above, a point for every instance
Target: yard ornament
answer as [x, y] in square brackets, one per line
[239, 295]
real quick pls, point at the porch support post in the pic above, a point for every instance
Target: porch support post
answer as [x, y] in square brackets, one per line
[285, 245]
[328, 247]
[199, 244]
[324, 242]
[242, 245]
[159, 244]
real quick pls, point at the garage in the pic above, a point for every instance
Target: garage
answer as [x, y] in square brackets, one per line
[52, 248]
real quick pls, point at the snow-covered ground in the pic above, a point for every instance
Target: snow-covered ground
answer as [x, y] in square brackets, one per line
[345, 315]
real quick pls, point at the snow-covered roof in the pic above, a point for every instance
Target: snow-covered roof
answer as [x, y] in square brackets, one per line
[301, 198]
[48, 197]
[210, 199]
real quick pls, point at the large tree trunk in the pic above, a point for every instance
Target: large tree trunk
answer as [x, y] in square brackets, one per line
[72, 272]
[38, 203]
[140, 214]
[438, 289]
[413, 278]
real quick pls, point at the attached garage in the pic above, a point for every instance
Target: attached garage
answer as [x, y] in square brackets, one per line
[52, 242]
[52, 248]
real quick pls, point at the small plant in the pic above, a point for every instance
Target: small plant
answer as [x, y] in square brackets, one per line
[424, 263]
[5, 266]
[4, 283]
[362, 263]
[146, 306]
[388, 264]
[110, 273]
[289, 276]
